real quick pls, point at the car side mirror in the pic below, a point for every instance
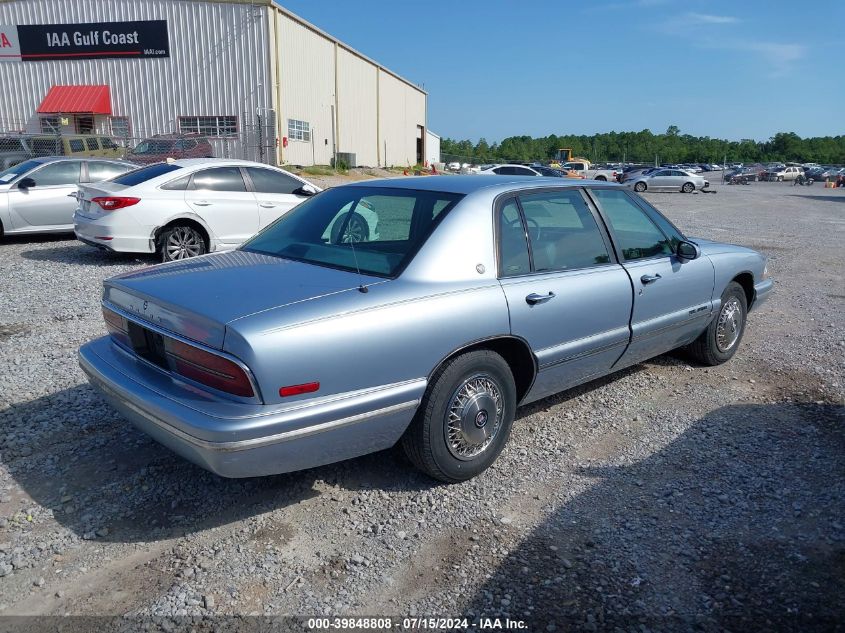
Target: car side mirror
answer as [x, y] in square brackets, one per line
[305, 190]
[26, 183]
[688, 250]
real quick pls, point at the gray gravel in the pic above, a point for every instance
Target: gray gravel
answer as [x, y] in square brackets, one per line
[668, 497]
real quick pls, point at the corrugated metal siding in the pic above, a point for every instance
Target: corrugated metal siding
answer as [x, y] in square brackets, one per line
[218, 64]
[401, 110]
[307, 67]
[357, 108]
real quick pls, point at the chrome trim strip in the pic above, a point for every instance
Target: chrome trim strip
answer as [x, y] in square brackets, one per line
[241, 445]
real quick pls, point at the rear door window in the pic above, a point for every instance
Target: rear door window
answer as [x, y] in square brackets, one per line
[101, 170]
[513, 248]
[563, 233]
[218, 179]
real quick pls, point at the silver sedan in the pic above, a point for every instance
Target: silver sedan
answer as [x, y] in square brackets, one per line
[668, 180]
[302, 348]
[39, 195]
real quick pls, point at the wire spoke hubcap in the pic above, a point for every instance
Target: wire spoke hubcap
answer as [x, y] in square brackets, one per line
[729, 326]
[474, 417]
[183, 243]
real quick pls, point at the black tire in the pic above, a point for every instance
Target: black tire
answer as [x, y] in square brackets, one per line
[780, 178]
[707, 348]
[433, 444]
[355, 229]
[688, 187]
[602, 178]
[810, 181]
[640, 187]
[181, 242]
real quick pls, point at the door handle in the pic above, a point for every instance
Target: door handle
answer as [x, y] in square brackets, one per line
[266, 205]
[534, 298]
[202, 203]
[650, 279]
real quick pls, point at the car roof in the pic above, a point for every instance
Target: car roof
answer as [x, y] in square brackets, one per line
[195, 162]
[472, 183]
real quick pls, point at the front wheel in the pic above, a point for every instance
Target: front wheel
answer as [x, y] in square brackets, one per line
[719, 342]
[180, 242]
[780, 178]
[688, 187]
[465, 417]
[640, 187]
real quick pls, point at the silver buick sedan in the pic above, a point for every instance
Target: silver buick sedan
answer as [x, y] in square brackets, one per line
[477, 295]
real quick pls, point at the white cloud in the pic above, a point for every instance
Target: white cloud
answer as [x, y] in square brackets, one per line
[706, 18]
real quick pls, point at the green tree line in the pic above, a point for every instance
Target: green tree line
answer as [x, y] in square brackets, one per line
[645, 147]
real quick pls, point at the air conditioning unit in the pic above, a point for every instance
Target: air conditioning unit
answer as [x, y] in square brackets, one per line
[350, 158]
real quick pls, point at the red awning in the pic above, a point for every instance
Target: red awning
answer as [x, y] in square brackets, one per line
[72, 99]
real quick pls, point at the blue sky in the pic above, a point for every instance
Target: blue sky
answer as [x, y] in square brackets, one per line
[742, 69]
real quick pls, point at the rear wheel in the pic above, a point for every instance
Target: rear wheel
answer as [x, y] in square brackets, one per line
[353, 229]
[180, 242]
[688, 187]
[780, 178]
[640, 187]
[602, 178]
[719, 342]
[465, 417]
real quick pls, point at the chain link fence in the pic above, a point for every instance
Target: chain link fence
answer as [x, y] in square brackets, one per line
[255, 139]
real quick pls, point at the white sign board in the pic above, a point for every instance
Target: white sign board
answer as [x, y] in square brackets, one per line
[10, 47]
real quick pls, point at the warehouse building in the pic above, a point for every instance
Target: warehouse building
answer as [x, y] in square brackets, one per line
[259, 81]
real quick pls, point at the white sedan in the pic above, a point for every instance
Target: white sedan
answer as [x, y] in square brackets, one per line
[186, 207]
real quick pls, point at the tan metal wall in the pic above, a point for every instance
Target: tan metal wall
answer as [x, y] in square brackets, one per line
[401, 110]
[357, 107]
[374, 109]
[307, 90]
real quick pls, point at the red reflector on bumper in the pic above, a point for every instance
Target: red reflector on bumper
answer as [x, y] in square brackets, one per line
[295, 390]
[103, 237]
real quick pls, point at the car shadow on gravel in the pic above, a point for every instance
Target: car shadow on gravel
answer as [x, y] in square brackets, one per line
[827, 198]
[737, 524]
[84, 255]
[104, 480]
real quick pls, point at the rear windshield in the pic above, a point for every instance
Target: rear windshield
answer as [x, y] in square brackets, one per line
[157, 146]
[137, 176]
[376, 230]
[21, 168]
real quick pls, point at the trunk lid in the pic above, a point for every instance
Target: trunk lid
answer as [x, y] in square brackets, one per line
[196, 298]
[87, 193]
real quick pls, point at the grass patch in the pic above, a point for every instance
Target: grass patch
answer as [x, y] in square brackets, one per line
[319, 170]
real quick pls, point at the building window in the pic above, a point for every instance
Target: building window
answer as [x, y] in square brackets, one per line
[299, 130]
[50, 125]
[120, 126]
[84, 124]
[209, 125]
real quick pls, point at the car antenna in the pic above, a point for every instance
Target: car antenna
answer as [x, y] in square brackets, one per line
[361, 286]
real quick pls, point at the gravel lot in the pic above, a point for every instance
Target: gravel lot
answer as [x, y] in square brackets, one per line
[667, 497]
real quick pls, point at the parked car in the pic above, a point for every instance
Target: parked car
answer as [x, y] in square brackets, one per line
[785, 173]
[190, 207]
[297, 350]
[747, 174]
[509, 170]
[668, 180]
[163, 146]
[633, 174]
[36, 196]
[13, 150]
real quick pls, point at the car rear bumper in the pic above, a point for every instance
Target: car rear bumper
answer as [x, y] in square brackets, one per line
[126, 236]
[245, 440]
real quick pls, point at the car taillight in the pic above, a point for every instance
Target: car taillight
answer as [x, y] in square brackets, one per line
[117, 326]
[208, 369]
[112, 203]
